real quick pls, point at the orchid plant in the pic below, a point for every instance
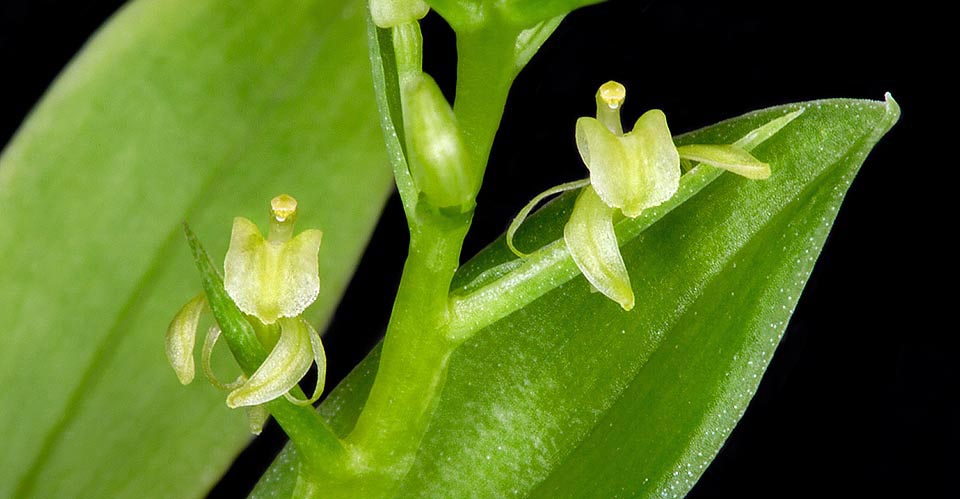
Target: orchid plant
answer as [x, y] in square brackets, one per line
[440, 155]
[604, 346]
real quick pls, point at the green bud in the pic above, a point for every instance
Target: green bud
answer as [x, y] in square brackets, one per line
[390, 13]
[439, 162]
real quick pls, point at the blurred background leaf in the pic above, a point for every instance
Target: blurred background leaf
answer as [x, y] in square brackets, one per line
[176, 110]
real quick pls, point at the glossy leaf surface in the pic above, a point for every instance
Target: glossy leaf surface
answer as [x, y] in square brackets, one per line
[572, 397]
[177, 109]
[524, 13]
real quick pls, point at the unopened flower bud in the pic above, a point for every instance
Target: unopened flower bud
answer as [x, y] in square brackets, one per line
[438, 159]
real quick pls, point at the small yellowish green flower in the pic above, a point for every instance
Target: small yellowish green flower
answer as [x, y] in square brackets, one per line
[272, 280]
[629, 173]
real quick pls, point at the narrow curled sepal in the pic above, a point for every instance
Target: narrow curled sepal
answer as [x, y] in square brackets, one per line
[728, 157]
[592, 243]
[282, 369]
[320, 358]
[181, 337]
[525, 212]
[213, 334]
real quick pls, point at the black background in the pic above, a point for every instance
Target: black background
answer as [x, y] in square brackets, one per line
[860, 397]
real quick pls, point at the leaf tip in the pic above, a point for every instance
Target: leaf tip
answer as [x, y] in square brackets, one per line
[893, 110]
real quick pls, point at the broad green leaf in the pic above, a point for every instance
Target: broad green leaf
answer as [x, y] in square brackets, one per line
[525, 13]
[573, 397]
[177, 109]
[528, 12]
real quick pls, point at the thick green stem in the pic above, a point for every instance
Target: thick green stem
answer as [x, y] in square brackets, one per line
[416, 350]
[486, 67]
[415, 354]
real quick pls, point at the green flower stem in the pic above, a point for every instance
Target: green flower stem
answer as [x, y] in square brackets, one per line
[486, 67]
[322, 451]
[415, 354]
[416, 349]
[408, 49]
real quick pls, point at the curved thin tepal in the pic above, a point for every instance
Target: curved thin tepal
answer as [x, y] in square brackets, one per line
[283, 368]
[525, 212]
[320, 358]
[213, 334]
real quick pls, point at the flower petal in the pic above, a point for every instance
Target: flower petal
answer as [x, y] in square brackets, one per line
[636, 171]
[609, 162]
[728, 157]
[655, 176]
[320, 357]
[244, 270]
[271, 279]
[281, 370]
[593, 245]
[181, 337]
[297, 278]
